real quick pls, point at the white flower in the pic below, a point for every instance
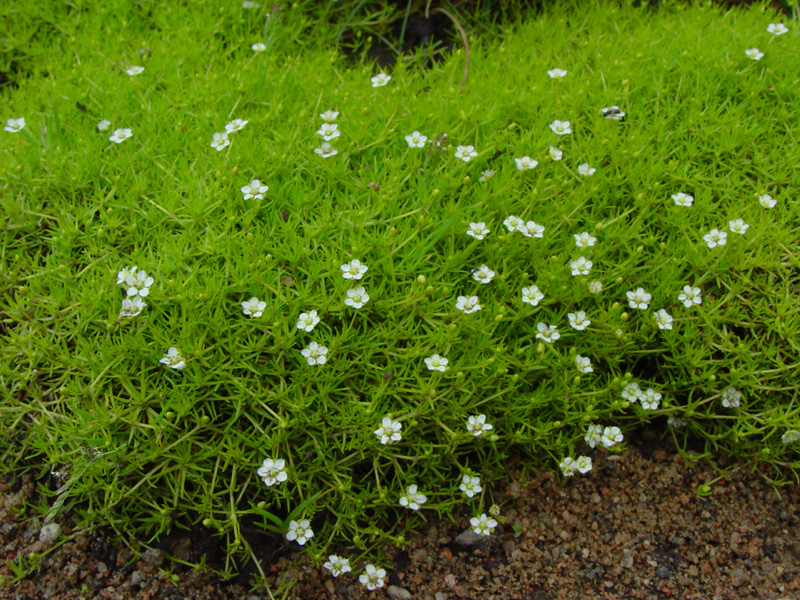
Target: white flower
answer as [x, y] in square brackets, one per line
[631, 392]
[328, 131]
[531, 229]
[613, 112]
[416, 140]
[220, 141]
[583, 239]
[300, 531]
[437, 363]
[254, 189]
[738, 226]
[124, 274]
[356, 298]
[675, 422]
[690, 296]
[790, 436]
[235, 125]
[380, 79]
[611, 436]
[754, 53]
[487, 174]
[272, 471]
[682, 199]
[131, 307]
[476, 425]
[259, 47]
[466, 153]
[547, 333]
[389, 430]
[470, 485]
[557, 73]
[585, 170]
[731, 397]
[478, 230]
[578, 320]
[173, 359]
[412, 499]
[561, 127]
[583, 464]
[568, 466]
[254, 307]
[315, 354]
[525, 163]
[250, 4]
[594, 435]
[715, 238]
[15, 125]
[337, 565]
[531, 295]
[307, 321]
[581, 266]
[329, 115]
[767, 201]
[649, 399]
[372, 577]
[595, 286]
[467, 304]
[354, 269]
[138, 283]
[103, 125]
[120, 135]
[483, 274]
[663, 319]
[134, 70]
[639, 299]
[326, 150]
[555, 153]
[777, 28]
[513, 223]
[483, 525]
[583, 363]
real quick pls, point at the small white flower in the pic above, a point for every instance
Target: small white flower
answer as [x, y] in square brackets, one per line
[476, 425]
[547, 333]
[465, 153]
[15, 125]
[249, 4]
[326, 150]
[328, 131]
[467, 304]
[531, 295]
[513, 223]
[584, 170]
[767, 201]
[631, 392]
[103, 125]
[676, 422]
[557, 73]
[416, 140]
[315, 354]
[307, 321]
[356, 298]
[138, 283]
[354, 269]
[470, 485]
[555, 153]
[531, 229]
[595, 286]
[682, 199]
[613, 112]
[525, 163]
[690, 296]
[731, 397]
[777, 28]
[487, 174]
[380, 79]
[254, 307]
[568, 466]
[483, 274]
[584, 240]
[123, 275]
[134, 70]
[372, 577]
[132, 306]
[254, 189]
[594, 435]
[790, 436]
[715, 238]
[483, 525]
[754, 53]
[272, 471]
[389, 430]
[220, 141]
[650, 399]
[437, 363]
[173, 359]
[663, 319]
[738, 226]
[581, 266]
[329, 116]
[235, 125]
[120, 135]
[478, 230]
[561, 127]
[412, 499]
[259, 47]
[578, 320]
[583, 464]
[639, 299]
[337, 565]
[301, 532]
[611, 436]
[583, 363]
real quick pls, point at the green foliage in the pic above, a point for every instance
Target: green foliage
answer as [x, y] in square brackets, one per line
[145, 447]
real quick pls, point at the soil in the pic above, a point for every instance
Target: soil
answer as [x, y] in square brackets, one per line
[634, 527]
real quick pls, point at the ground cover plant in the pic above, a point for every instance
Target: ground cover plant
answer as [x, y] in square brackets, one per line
[250, 286]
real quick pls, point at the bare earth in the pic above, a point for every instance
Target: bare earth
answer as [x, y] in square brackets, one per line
[632, 528]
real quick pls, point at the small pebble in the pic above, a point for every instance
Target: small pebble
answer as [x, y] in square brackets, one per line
[49, 533]
[468, 538]
[102, 568]
[137, 577]
[395, 591]
[153, 557]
